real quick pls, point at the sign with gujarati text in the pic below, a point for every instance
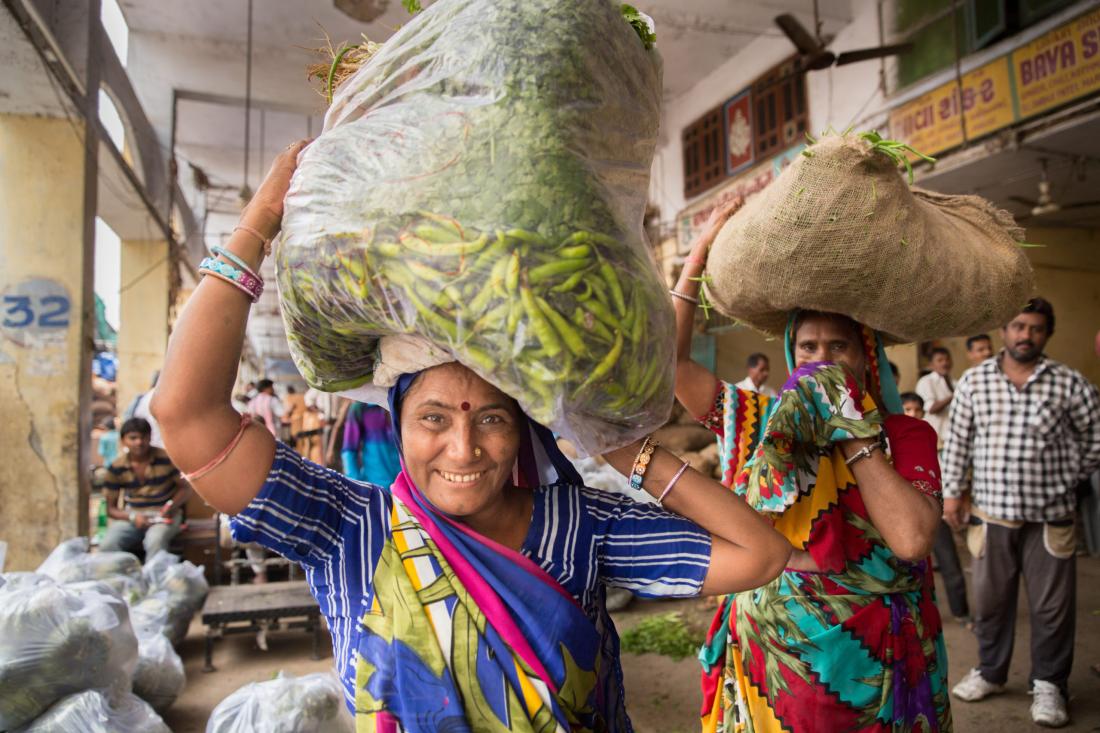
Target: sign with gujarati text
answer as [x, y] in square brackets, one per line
[934, 121]
[1058, 66]
[737, 118]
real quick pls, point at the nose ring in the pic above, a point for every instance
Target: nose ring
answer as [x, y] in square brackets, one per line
[477, 452]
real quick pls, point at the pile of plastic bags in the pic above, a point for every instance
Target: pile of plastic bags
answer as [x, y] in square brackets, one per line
[86, 642]
[313, 703]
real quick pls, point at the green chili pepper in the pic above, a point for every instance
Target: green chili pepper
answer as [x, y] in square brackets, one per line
[570, 283]
[436, 234]
[542, 328]
[580, 251]
[612, 280]
[605, 365]
[569, 335]
[554, 269]
[493, 318]
[600, 311]
[511, 276]
[525, 236]
[456, 249]
[588, 322]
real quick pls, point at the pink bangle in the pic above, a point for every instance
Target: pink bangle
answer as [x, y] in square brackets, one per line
[672, 484]
[256, 233]
[695, 261]
[219, 459]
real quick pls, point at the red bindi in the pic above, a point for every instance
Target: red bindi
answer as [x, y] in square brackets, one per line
[465, 406]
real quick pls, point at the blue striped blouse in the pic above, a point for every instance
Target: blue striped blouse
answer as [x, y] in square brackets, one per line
[335, 529]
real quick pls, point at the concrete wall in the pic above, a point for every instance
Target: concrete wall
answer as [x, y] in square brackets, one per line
[1067, 273]
[44, 352]
[143, 316]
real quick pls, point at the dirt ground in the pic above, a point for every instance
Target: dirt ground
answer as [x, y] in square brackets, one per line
[662, 694]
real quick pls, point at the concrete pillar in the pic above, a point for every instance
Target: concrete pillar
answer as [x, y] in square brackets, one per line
[45, 336]
[143, 316]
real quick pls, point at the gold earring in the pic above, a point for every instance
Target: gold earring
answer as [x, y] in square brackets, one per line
[477, 452]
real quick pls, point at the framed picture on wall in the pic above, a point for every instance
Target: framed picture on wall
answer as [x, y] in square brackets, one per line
[737, 121]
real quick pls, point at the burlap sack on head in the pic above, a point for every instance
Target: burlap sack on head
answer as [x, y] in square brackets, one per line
[841, 231]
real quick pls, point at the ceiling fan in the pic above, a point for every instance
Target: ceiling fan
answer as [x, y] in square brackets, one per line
[813, 53]
[1046, 204]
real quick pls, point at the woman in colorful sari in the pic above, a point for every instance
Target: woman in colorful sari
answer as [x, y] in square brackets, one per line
[469, 597]
[848, 637]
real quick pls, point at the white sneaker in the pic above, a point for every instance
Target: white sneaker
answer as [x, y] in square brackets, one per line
[1048, 707]
[974, 687]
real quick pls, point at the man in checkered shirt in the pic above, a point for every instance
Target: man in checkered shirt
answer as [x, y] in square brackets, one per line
[1029, 429]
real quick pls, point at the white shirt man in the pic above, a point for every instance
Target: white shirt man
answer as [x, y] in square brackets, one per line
[756, 380]
[937, 389]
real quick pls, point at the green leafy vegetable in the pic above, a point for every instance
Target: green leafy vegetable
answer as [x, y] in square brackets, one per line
[664, 634]
[639, 24]
[412, 6]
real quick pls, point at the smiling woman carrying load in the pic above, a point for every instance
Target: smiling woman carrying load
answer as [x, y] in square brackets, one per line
[471, 595]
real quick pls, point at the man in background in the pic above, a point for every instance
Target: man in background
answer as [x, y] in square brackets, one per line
[978, 349]
[1030, 428]
[756, 377]
[936, 389]
[152, 491]
[266, 407]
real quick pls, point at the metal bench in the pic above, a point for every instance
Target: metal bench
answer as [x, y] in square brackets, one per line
[244, 609]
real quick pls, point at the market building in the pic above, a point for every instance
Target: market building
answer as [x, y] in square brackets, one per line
[1005, 96]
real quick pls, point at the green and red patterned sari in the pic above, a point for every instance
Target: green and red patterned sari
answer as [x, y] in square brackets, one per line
[857, 646]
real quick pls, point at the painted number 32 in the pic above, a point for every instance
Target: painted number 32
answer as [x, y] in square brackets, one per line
[46, 311]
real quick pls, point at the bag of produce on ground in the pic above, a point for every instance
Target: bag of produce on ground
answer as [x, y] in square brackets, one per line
[70, 562]
[481, 182]
[21, 580]
[55, 641]
[313, 703]
[93, 712]
[156, 566]
[182, 587]
[842, 231]
[159, 677]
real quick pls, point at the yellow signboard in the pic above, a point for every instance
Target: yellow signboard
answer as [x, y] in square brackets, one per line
[934, 121]
[1059, 66]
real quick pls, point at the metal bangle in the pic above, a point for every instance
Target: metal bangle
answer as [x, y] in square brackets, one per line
[864, 452]
[682, 296]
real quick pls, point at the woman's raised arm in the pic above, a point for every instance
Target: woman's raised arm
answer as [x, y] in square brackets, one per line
[695, 384]
[746, 552]
[192, 401]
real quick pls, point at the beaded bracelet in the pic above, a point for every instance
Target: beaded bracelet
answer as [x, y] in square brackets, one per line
[235, 260]
[246, 282]
[641, 463]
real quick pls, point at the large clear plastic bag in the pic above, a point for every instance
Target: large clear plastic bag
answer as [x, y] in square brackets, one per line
[159, 677]
[481, 182]
[93, 712]
[313, 703]
[55, 641]
[70, 562]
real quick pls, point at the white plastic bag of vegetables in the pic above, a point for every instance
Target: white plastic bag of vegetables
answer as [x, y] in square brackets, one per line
[481, 182]
[313, 703]
[93, 712]
[55, 641]
[70, 562]
[159, 677]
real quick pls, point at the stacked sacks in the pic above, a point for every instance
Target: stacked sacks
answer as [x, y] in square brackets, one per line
[55, 641]
[481, 185]
[841, 231]
[70, 562]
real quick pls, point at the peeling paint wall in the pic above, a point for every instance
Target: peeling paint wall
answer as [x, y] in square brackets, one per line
[41, 335]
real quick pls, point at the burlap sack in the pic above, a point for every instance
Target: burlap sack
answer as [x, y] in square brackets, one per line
[841, 231]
